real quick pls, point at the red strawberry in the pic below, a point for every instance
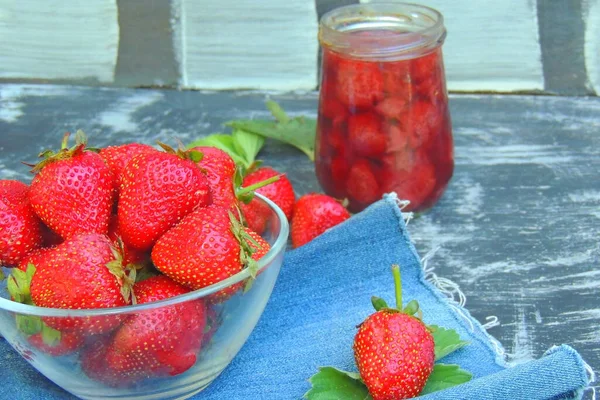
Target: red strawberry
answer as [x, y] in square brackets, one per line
[73, 190]
[313, 215]
[280, 192]
[81, 273]
[396, 138]
[333, 164]
[424, 121]
[263, 246]
[330, 107]
[213, 321]
[117, 158]
[414, 185]
[362, 186]
[49, 237]
[424, 67]
[162, 341]
[256, 215]
[256, 245]
[20, 228]
[394, 163]
[220, 170]
[65, 343]
[159, 189]
[331, 174]
[33, 258]
[394, 350]
[391, 107]
[336, 140]
[130, 255]
[365, 135]
[359, 83]
[430, 80]
[201, 250]
[95, 365]
[335, 111]
[397, 79]
[13, 191]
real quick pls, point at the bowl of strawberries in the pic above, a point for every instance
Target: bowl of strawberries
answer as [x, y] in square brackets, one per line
[131, 272]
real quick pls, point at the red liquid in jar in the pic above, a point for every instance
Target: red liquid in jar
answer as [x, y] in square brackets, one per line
[384, 126]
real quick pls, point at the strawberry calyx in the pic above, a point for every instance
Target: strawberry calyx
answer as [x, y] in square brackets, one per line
[19, 284]
[50, 336]
[126, 275]
[193, 155]
[412, 307]
[19, 288]
[65, 152]
[246, 250]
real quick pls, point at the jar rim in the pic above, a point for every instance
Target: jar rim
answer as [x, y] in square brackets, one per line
[414, 30]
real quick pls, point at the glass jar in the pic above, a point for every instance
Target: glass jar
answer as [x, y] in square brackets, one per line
[384, 124]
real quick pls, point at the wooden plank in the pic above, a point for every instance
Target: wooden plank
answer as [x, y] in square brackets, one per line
[592, 43]
[146, 54]
[56, 39]
[562, 43]
[235, 44]
[491, 47]
[324, 6]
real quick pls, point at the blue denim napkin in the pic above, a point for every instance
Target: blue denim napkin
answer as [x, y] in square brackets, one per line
[323, 292]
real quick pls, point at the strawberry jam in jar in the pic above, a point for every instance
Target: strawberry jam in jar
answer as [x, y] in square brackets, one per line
[384, 124]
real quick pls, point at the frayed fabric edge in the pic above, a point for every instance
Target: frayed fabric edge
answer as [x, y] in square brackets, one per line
[449, 290]
[591, 375]
[456, 298]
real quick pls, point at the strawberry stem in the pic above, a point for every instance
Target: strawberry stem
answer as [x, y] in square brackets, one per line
[397, 285]
[251, 188]
[277, 112]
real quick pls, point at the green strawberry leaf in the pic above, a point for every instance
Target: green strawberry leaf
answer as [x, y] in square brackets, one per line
[221, 141]
[247, 145]
[277, 112]
[331, 383]
[299, 132]
[445, 376]
[446, 341]
[2, 275]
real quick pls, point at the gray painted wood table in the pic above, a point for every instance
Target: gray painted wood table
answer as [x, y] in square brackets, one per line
[518, 228]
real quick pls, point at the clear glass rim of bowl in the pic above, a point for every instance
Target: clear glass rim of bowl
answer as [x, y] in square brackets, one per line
[422, 30]
[276, 248]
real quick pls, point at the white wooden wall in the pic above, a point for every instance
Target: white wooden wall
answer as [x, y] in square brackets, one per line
[269, 44]
[58, 39]
[592, 42]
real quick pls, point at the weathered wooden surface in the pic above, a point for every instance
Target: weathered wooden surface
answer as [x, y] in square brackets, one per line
[518, 228]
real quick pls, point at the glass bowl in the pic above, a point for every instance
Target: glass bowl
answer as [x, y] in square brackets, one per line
[230, 324]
